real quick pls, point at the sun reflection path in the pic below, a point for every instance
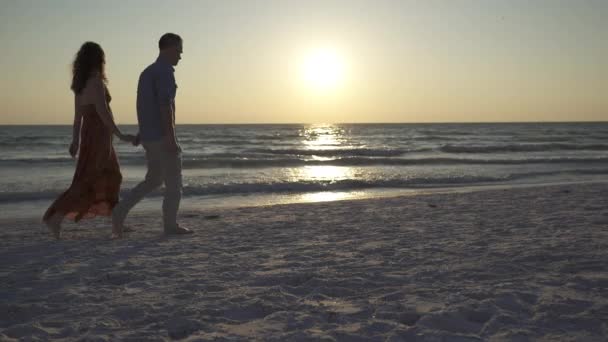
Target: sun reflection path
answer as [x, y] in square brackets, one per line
[328, 196]
[323, 137]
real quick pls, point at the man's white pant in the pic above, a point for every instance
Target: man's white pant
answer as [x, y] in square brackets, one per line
[163, 167]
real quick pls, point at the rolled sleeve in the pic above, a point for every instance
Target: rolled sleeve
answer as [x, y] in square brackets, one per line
[165, 86]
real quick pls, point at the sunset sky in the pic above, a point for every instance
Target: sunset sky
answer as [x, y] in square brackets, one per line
[318, 61]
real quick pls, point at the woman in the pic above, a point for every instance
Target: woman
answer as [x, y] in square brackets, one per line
[96, 183]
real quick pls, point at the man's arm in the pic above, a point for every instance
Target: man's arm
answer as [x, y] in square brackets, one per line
[165, 84]
[168, 122]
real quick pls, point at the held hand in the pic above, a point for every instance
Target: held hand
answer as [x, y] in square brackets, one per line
[73, 148]
[128, 138]
[137, 140]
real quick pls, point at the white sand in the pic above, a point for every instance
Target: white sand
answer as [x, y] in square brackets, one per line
[498, 265]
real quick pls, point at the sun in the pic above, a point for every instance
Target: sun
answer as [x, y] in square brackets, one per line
[323, 69]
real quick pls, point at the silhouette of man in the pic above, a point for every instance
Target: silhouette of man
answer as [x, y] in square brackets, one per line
[156, 92]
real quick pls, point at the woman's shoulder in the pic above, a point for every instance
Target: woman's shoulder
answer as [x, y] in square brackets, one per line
[94, 77]
[94, 85]
[95, 82]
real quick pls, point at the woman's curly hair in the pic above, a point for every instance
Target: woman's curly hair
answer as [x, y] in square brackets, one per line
[89, 59]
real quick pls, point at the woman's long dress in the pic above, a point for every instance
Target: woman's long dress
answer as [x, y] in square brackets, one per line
[96, 184]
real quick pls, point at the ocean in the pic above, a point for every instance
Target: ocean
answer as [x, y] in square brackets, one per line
[237, 165]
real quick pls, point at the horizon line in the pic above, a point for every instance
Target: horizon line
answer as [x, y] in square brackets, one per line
[329, 123]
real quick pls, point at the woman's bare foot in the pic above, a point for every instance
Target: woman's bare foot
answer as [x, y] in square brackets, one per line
[54, 226]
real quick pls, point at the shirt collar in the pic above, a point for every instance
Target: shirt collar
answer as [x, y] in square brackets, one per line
[164, 63]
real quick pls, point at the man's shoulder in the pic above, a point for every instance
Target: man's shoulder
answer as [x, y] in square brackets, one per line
[157, 68]
[144, 73]
[150, 68]
[149, 73]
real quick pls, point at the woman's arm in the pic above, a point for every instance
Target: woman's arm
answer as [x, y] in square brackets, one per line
[98, 91]
[76, 129]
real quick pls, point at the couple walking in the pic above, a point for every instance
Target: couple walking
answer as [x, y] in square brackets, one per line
[96, 183]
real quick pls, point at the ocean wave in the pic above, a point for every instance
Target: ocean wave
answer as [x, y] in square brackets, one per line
[335, 152]
[304, 186]
[228, 160]
[444, 132]
[9, 197]
[221, 142]
[277, 136]
[431, 138]
[354, 161]
[558, 139]
[7, 161]
[522, 148]
[37, 144]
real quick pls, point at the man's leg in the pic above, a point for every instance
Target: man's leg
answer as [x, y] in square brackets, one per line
[173, 191]
[154, 178]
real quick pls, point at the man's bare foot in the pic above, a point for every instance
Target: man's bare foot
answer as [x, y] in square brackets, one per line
[178, 231]
[116, 236]
[117, 230]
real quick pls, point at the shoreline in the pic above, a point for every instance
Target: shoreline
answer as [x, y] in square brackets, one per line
[502, 264]
[152, 204]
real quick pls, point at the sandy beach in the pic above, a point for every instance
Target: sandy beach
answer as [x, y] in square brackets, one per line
[497, 265]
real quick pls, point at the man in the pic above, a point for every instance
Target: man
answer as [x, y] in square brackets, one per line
[156, 117]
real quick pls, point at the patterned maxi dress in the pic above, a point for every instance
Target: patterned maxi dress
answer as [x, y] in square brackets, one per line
[96, 184]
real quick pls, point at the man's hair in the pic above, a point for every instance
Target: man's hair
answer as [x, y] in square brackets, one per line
[168, 40]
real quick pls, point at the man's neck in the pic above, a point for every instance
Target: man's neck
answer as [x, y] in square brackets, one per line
[163, 59]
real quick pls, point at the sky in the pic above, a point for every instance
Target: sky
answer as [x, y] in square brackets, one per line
[254, 61]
